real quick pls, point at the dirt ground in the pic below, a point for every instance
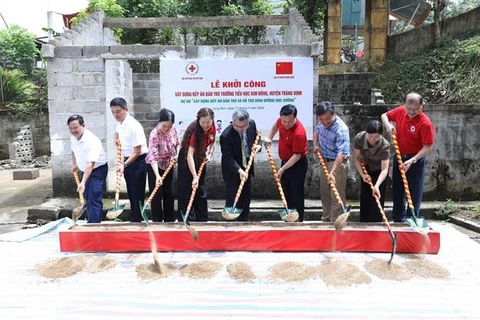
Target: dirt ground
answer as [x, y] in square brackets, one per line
[468, 214]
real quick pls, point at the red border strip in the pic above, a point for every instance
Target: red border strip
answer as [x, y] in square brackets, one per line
[408, 241]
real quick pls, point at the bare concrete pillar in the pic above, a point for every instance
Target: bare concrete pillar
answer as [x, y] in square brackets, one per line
[333, 37]
[376, 31]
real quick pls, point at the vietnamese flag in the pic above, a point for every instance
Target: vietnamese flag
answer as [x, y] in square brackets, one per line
[284, 68]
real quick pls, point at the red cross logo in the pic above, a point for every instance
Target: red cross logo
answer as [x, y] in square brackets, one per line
[192, 68]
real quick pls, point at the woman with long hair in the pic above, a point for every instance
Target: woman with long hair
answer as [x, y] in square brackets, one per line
[197, 140]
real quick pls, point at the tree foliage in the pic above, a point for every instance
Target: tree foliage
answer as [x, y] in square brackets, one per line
[313, 12]
[17, 49]
[445, 75]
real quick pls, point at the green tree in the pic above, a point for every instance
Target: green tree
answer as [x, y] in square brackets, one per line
[17, 49]
[313, 12]
[15, 87]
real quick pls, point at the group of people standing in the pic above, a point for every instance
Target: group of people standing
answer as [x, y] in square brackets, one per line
[331, 140]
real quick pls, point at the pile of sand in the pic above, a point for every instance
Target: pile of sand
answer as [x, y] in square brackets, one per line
[386, 271]
[201, 270]
[100, 264]
[241, 272]
[341, 274]
[426, 269]
[291, 272]
[62, 267]
[148, 271]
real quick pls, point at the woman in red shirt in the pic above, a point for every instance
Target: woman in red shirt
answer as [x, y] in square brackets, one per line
[197, 140]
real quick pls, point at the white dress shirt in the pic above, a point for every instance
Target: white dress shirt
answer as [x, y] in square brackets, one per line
[88, 149]
[131, 135]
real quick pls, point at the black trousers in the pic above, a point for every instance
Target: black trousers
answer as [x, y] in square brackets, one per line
[368, 206]
[135, 176]
[231, 184]
[293, 184]
[161, 211]
[199, 210]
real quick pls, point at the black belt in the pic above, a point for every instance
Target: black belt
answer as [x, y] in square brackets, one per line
[328, 160]
[138, 158]
[408, 156]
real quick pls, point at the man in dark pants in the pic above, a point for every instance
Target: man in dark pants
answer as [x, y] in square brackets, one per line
[89, 157]
[292, 150]
[236, 142]
[415, 136]
[129, 132]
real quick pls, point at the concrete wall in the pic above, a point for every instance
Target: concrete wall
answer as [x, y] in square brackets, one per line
[10, 124]
[77, 84]
[345, 88]
[146, 97]
[417, 40]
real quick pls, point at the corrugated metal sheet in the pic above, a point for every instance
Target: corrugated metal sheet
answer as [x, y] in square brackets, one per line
[412, 11]
[119, 293]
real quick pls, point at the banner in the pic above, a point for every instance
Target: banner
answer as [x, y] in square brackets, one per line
[260, 86]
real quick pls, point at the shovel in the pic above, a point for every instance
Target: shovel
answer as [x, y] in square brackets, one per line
[78, 211]
[190, 229]
[413, 221]
[153, 244]
[231, 213]
[384, 217]
[118, 209]
[341, 220]
[288, 215]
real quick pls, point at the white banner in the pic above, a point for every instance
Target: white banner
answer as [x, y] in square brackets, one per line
[260, 86]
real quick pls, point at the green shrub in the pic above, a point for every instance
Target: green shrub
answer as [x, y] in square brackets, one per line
[446, 209]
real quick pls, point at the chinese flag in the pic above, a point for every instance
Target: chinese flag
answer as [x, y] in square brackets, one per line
[284, 68]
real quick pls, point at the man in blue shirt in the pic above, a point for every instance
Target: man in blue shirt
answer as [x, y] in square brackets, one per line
[332, 139]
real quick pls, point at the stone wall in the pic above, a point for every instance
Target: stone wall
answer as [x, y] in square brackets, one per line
[146, 92]
[11, 123]
[417, 40]
[346, 88]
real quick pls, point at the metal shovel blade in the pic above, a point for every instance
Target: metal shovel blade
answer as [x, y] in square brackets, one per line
[231, 213]
[115, 211]
[288, 215]
[394, 246]
[417, 222]
[78, 212]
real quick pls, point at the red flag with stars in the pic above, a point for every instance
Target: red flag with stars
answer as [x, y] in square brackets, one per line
[284, 68]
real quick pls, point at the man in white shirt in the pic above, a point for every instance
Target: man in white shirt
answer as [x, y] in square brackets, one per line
[129, 132]
[88, 157]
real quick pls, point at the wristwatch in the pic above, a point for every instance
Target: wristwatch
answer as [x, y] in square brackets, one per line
[414, 160]
[125, 164]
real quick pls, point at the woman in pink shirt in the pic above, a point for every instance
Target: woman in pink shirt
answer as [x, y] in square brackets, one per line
[163, 147]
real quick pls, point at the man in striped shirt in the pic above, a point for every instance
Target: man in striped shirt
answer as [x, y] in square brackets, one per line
[332, 139]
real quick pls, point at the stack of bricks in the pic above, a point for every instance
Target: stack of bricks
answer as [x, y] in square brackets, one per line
[23, 152]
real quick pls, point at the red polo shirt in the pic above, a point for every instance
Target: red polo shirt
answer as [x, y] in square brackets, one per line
[414, 133]
[292, 141]
[209, 137]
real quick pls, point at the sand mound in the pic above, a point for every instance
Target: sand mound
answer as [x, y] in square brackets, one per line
[241, 272]
[291, 271]
[100, 264]
[63, 267]
[341, 274]
[201, 270]
[426, 269]
[386, 271]
[148, 271]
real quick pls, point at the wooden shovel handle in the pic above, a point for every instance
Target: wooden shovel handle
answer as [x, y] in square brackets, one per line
[379, 205]
[253, 152]
[80, 194]
[402, 171]
[158, 185]
[277, 181]
[119, 163]
[330, 182]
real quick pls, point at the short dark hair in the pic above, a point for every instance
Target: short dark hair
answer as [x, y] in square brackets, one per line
[374, 126]
[76, 117]
[166, 115]
[288, 109]
[323, 107]
[118, 102]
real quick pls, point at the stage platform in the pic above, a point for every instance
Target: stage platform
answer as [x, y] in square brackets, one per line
[236, 236]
